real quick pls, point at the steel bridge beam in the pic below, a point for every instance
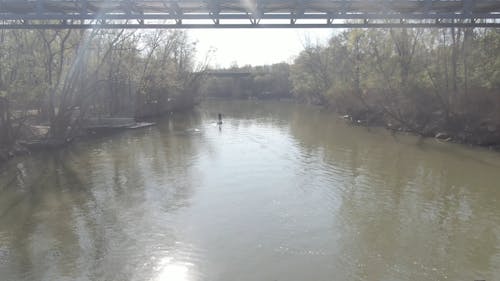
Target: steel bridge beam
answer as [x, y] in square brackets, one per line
[83, 14]
[249, 26]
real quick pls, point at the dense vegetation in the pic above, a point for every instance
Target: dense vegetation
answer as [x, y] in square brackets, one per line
[430, 81]
[433, 82]
[57, 78]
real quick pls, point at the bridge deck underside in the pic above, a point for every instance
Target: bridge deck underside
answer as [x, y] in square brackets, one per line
[249, 13]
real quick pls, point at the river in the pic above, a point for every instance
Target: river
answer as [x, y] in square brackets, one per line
[280, 192]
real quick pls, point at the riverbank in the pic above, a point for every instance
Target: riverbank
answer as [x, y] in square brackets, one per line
[486, 136]
[7, 153]
[36, 139]
[467, 131]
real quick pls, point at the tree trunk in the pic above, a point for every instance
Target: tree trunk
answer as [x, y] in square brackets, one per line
[5, 125]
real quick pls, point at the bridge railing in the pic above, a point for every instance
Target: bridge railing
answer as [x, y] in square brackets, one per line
[248, 13]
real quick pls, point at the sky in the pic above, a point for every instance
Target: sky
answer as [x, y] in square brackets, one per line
[254, 46]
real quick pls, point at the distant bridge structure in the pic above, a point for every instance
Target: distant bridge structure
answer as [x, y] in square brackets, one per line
[227, 74]
[185, 14]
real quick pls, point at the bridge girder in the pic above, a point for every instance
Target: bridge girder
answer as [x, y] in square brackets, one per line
[247, 14]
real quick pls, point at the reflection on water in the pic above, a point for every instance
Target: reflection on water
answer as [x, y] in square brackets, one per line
[172, 271]
[280, 192]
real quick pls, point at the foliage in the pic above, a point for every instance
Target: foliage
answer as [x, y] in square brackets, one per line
[423, 80]
[62, 77]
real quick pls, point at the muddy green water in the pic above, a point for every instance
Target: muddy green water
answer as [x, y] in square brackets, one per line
[281, 192]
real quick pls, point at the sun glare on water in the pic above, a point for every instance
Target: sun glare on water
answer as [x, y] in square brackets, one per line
[170, 271]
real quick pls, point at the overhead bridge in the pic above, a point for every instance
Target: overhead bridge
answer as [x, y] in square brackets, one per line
[185, 14]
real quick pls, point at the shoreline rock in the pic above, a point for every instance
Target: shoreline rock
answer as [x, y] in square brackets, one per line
[11, 152]
[489, 138]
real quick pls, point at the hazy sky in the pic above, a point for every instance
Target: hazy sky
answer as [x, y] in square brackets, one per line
[254, 46]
